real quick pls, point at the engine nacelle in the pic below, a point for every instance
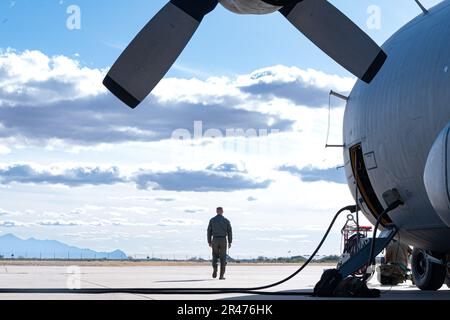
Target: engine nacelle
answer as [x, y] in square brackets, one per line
[249, 6]
[437, 175]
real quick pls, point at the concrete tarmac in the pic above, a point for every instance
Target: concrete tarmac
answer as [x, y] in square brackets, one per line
[179, 277]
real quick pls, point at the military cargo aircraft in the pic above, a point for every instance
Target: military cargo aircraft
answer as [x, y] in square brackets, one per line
[397, 118]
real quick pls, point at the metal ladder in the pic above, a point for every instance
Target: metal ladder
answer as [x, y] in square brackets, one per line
[361, 259]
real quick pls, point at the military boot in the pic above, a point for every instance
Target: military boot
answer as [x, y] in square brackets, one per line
[222, 273]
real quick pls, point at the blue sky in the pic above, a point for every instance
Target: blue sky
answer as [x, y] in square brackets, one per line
[78, 166]
[225, 43]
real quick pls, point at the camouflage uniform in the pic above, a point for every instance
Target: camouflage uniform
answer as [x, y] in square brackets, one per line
[219, 229]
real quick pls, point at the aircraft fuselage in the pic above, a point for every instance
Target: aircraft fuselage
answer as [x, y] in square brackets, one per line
[394, 121]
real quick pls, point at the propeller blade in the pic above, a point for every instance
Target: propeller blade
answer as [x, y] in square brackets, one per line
[155, 49]
[337, 36]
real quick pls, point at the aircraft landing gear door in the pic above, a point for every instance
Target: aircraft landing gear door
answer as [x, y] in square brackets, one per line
[364, 185]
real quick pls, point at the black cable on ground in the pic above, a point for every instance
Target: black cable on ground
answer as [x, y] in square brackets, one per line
[199, 291]
[143, 291]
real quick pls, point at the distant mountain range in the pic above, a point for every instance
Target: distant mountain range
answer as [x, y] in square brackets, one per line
[14, 247]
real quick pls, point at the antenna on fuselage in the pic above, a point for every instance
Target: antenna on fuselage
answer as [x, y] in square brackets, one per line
[425, 11]
[340, 96]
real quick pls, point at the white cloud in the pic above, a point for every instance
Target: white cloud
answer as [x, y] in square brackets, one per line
[94, 130]
[137, 210]
[4, 150]
[60, 223]
[193, 209]
[210, 91]
[262, 229]
[74, 108]
[270, 239]
[11, 224]
[33, 78]
[221, 178]
[179, 222]
[308, 77]
[294, 236]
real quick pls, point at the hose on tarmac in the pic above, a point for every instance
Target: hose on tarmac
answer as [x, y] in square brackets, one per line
[198, 291]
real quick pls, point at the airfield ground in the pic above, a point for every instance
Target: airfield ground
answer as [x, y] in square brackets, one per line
[59, 274]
